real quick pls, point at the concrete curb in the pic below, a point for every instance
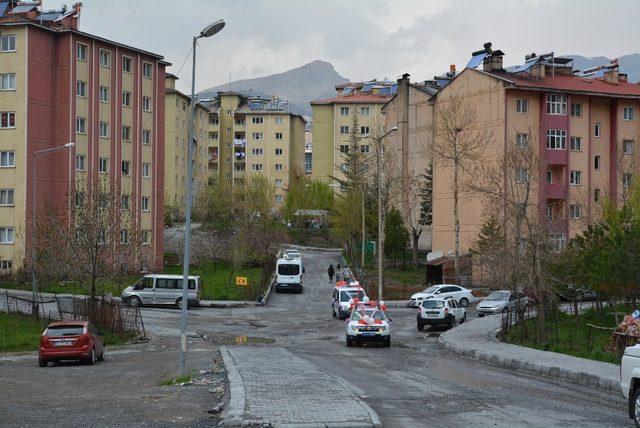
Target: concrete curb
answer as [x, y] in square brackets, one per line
[235, 410]
[516, 364]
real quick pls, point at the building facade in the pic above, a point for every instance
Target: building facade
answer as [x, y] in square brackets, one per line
[60, 86]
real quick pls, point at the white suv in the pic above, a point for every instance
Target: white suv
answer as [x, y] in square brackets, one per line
[462, 295]
[440, 312]
[368, 323]
[343, 297]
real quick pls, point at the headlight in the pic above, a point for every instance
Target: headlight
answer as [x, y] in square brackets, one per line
[353, 329]
[383, 328]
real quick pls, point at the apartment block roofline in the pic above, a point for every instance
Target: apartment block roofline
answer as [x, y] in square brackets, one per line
[354, 99]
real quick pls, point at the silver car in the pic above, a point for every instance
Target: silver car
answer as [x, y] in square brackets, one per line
[501, 301]
[160, 289]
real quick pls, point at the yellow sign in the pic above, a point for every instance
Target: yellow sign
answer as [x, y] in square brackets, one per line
[241, 281]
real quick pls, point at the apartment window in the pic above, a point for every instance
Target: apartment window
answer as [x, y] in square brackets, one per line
[256, 167]
[575, 178]
[278, 182]
[213, 119]
[6, 197]
[124, 236]
[126, 167]
[627, 179]
[365, 148]
[79, 199]
[278, 135]
[278, 167]
[81, 89]
[596, 195]
[557, 104]
[145, 203]
[103, 165]
[549, 212]
[81, 52]
[257, 152]
[147, 68]
[8, 43]
[229, 112]
[344, 129]
[596, 162]
[7, 159]
[146, 170]
[146, 103]
[364, 130]
[80, 162]
[105, 58]
[146, 237]
[522, 141]
[126, 133]
[628, 113]
[213, 136]
[344, 111]
[558, 241]
[522, 176]
[576, 109]
[278, 152]
[8, 82]
[574, 211]
[522, 106]
[344, 148]
[7, 119]
[126, 99]
[344, 167]
[257, 120]
[575, 143]
[228, 130]
[227, 160]
[126, 64]
[257, 135]
[104, 130]
[279, 199]
[596, 129]
[104, 94]
[627, 147]
[125, 202]
[365, 111]
[6, 235]
[278, 120]
[549, 177]
[556, 139]
[5, 264]
[146, 136]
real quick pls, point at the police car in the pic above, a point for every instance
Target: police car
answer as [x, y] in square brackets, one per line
[368, 323]
[341, 298]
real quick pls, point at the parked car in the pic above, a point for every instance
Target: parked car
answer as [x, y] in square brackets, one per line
[630, 381]
[342, 298]
[162, 289]
[368, 323]
[462, 295]
[440, 312]
[502, 301]
[70, 340]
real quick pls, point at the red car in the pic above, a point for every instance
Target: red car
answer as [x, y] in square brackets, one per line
[70, 340]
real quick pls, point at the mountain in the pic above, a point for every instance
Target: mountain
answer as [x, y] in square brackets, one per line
[629, 64]
[299, 85]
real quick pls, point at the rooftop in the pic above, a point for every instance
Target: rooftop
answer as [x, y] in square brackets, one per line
[355, 98]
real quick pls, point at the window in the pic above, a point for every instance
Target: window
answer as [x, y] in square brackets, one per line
[278, 120]
[213, 136]
[146, 103]
[556, 139]
[257, 135]
[628, 113]
[126, 99]
[522, 176]
[596, 195]
[278, 182]
[8, 43]
[344, 148]
[557, 104]
[8, 82]
[124, 236]
[126, 133]
[344, 111]
[213, 119]
[125, 202]
[522, 106]
[575, 178]
[522, 141]
[81, 89]
[344, 129]
[278, 152]
[145, 203]
[576, 109]
[257, 152]
[574, 212]
[344, 167]
[103, 165]
[558, 241]
[365, 111]
[229, 112]
[6, 197]
[596, 129]
[627, 179]
[549, 177]
[147, 68]
[575, 144]
[7, 119]
[146, 170]
[104, 130]
[146, 237]
[279, 199]
[80, 160]
[278, 167]
[104, 94]
[256, 167]
[6, 235]
[146, 136]
[79, 199]
[81, 52]
[365, 148]
[596, 162]
[627, 147]
[278, 135]
[257, 120]
[5, 264]
[105, 58]
[228, 130]
[126, 167]
[364, 130]
[126, 64]
[7, 159]
[228, 160]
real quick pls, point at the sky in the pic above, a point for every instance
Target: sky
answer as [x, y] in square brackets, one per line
[363, 39]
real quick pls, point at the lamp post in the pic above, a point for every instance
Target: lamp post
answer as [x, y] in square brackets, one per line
[34, 282]
[206, 32]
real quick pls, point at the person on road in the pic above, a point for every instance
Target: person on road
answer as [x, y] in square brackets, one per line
[338, 272]
[331, 272]
[346, 274]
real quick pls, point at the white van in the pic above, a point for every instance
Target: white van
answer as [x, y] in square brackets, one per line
[289, 272]
[161, 289]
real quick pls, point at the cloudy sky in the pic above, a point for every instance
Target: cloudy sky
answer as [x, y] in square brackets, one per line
[363, 39]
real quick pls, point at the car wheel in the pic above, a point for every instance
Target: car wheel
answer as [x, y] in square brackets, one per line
[635, 407]
[179, 303]
[43, 363]
[480, 315]
[387, 343]
[464, 302]
[92, 358]
[135, 301]
[349, 342]
[464, 318]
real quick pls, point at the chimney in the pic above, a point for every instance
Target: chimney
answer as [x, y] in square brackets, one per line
[452, 70]
[612, 74]
[493, 62]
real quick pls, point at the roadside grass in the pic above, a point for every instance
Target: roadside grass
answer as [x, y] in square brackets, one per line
[179, 379]
[409, 276]
[565, 337]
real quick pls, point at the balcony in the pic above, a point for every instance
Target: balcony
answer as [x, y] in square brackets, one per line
[239, 155]
[240, 142]
[557, 157]
[556, 191]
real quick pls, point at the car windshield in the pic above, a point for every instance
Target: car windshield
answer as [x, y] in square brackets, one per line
[498, 296]
[346, 295]
[373, 313]
[288, 269]
[431, 289]
[65, 330]
[433, 304]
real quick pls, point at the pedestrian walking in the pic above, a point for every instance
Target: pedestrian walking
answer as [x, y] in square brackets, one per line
[338, 272]
[346, 274]
[331, 272]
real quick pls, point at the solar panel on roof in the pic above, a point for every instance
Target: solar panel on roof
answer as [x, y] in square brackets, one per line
[385, 90]
[394, 89]
[23, 8]
[476, 60]
[49, 16]
[347, 90]
[367, 87]
[442, 82]
[3, 7]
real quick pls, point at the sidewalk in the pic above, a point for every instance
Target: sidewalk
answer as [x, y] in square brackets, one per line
[270, 386]
[477, 339]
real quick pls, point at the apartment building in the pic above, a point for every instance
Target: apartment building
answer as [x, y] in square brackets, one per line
[333, 120]
[584, 124]
[60, 85]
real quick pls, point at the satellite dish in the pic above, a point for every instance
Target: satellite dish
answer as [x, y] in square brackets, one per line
[434, 255]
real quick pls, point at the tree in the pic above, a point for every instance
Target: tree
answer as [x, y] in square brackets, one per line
[488, 252]
[426, 196]
[346, 226]
[305, 194]
[355, 163]
[396, 235]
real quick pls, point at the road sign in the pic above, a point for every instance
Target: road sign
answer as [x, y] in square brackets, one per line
[241, 281]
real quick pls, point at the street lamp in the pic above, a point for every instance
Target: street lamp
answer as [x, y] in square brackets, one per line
[206, 32]
[34, 283]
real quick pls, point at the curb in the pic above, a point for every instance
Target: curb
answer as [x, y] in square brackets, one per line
[235, 411]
